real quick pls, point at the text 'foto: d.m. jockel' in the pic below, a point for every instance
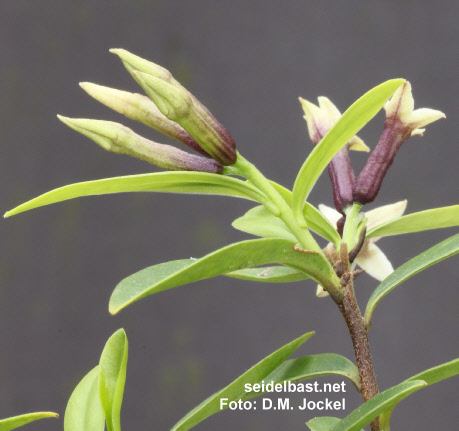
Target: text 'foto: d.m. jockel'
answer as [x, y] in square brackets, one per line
[172, 110]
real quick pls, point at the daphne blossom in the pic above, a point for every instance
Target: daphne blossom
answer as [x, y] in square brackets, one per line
[370, 258]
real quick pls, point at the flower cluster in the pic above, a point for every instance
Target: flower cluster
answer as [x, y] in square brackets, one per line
[170, 109]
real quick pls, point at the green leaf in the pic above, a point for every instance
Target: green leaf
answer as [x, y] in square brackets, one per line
[356, 116]
[18, 421]
[259, 221]
[438, 373]
[437, 253]
[372, 408]
[314, 218]
[84, 409]
[430, 376]
[324, 423]
[112, 377]
[241, 255]
[309, 367]
[425, 220]
[170, 182]
[235, 390]
[269, 274]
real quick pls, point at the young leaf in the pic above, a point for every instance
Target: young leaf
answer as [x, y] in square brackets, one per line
[371, 409]
[112, 377]
[170, 182]
[315, 219]
[355, 117]
[324, 423]
[309, 367]
[84, 409]
[235, 390]
[430, 376]
[425, 220]
[18, 421]
[245, 254]
[269, 274]
[259, 221]
[437, 253]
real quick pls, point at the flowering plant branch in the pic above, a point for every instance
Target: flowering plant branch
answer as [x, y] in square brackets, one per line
[290, 227]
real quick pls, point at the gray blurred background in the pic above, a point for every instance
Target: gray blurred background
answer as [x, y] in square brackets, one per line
[248, 62]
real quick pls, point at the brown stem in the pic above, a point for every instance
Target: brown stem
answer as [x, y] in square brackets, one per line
[359, 336]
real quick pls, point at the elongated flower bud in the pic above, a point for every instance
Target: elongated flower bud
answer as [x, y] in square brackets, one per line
[401, 123]
[320, 119]
[179, 105]
[118, 139]
[140, 108]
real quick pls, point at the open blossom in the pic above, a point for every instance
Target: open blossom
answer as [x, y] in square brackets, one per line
[402, 122]
[320, 119]
[370, 257]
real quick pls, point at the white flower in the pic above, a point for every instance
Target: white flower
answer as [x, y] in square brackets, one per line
[370, 258]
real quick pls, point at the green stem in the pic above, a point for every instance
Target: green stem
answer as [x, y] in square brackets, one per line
[246, 169]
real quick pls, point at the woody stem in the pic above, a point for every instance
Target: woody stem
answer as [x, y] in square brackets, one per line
[359, 335]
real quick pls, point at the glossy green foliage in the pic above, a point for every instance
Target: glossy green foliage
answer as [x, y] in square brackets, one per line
[355, 117]
[269, 274]
[235, 390]
[241, 255]
[18, 421]
[84, 409]
[436, 218]
[259, 221]
[324, 423]
[112, 377]
[313, 366]
[371, 409]
[437, 253]
[170, 182]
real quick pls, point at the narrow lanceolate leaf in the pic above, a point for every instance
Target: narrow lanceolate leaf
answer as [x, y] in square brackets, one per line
[18, 421]
[430, 376]
[311, 367]
[315, 219]
[112, 377]
[324, 423]
[437, 253]
[259, 221]
[269, 274]
[241, 255]
[235, 390]
[356, 116]
[436, 218]
[84, 409]
[168, 182]
[371, 409]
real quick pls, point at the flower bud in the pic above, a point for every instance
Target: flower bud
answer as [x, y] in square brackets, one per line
[179, 105]
[320, 119]
[118, 139]
[401, 123]
[140, 108]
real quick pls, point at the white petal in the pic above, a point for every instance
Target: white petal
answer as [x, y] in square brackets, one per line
[316, 119]
[423, 116]
[401, 104]
[320, 292]
[385, 214]
[374, 261]
[333, 112]
[330, 213]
